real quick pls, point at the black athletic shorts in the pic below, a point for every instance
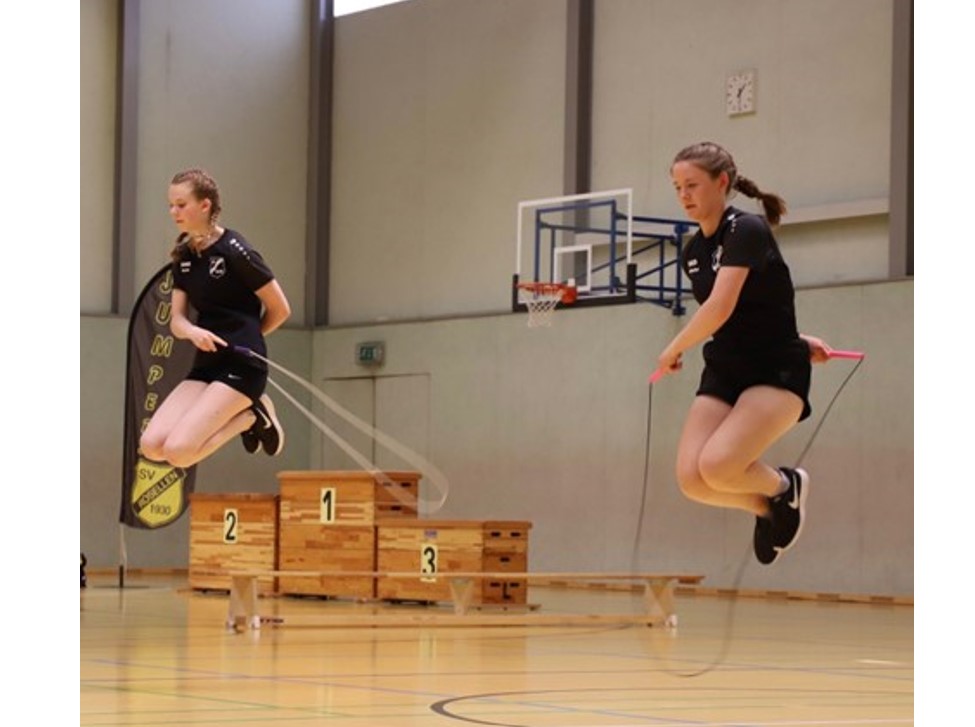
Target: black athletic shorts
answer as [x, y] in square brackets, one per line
[235, 372]
[726, 375]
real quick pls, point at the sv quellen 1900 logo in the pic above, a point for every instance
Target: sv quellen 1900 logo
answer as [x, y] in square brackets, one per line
[158, 492]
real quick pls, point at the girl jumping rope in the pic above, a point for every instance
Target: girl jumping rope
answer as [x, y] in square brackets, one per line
[238, 302]
[756, 378]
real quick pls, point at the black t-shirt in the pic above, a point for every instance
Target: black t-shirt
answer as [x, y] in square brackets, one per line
[764, 318]
[220, 284]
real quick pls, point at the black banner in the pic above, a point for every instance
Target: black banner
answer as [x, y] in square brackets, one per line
[154, 494]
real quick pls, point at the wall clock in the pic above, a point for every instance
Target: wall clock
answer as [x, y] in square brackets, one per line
[740, 93]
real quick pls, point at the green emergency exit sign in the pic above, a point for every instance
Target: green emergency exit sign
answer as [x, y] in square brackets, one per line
[370, 353]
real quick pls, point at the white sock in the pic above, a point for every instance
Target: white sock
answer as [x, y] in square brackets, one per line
[784, 483]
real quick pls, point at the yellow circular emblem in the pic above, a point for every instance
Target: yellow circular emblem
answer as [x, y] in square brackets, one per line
[158, 492]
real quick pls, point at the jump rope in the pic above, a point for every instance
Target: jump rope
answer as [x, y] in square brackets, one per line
[431, 474]
[740, 572]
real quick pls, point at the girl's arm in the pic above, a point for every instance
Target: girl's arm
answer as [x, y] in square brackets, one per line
[276, 307]
[709, 317]
[181, 326]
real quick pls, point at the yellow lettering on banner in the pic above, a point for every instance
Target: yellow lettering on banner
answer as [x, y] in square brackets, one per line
[162, 346]
[152, 398]
[166, 284]
[154, 373]
[164, 311]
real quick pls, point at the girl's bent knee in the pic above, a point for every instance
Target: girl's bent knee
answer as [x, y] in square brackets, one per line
[151, 449]
[720, 473]
[180, 461]
[179, 457]
[694, 488]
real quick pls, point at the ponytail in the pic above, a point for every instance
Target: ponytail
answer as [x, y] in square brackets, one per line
[773, 204]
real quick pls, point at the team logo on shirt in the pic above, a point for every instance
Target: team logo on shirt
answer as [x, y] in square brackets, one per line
[218, 267]
[716, 258]
[184, 266]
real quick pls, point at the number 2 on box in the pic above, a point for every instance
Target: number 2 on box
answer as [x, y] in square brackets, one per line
[230, 521]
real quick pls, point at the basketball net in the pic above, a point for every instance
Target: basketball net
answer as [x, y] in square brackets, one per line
[541, 300]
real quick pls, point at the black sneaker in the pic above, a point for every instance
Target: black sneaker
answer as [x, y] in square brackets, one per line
[268, 429]
[250, 437]
[762, 540]
[789, 509]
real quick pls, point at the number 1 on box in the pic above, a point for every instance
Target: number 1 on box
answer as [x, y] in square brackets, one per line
[327, 502]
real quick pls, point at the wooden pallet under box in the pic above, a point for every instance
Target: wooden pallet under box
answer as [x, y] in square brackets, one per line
[327, 522]
[443, 546]
[232, 531]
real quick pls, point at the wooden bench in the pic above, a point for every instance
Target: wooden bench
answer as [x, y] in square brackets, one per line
[658, 600]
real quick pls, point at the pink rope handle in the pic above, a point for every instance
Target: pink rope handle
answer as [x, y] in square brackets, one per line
[857, 355]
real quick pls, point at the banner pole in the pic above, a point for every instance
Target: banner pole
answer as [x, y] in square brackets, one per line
[123, 556]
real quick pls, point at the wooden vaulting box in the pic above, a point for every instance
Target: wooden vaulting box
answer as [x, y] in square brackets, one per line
[327, 522]
[459, 546]
[232, 531]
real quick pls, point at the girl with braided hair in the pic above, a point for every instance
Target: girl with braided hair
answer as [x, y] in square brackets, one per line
[756, 378]
[237, 302]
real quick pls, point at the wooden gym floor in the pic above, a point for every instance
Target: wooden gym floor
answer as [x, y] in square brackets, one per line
[157, 653]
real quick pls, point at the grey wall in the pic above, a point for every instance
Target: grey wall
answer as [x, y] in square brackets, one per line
[98, 67]
[447, 114]
[819, 136]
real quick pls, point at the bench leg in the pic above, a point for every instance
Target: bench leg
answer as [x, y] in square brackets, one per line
[461, 592]
[242, 611]
[658, 597]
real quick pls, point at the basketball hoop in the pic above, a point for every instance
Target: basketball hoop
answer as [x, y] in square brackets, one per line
[541, 300]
